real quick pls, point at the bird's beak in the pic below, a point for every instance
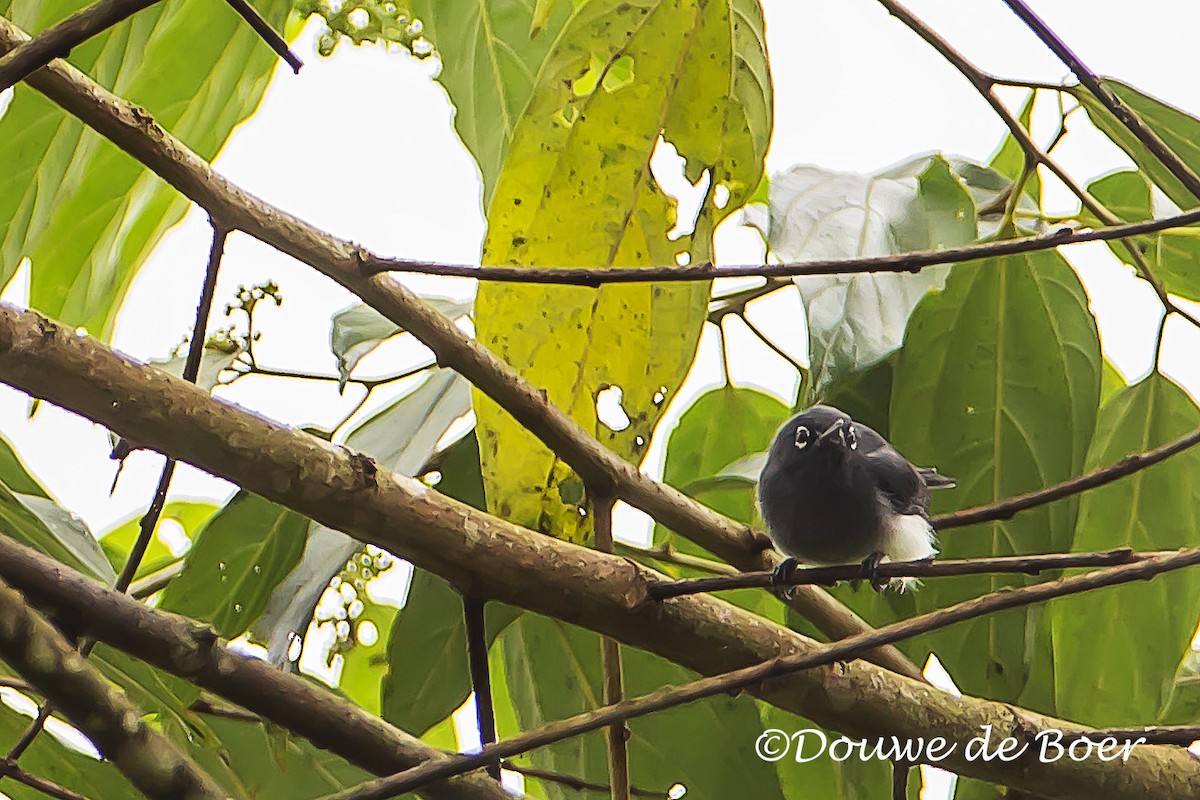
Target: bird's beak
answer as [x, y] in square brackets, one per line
[829, 432]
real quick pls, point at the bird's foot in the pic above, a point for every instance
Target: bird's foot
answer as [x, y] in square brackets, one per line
[779, 577]
[870, 571]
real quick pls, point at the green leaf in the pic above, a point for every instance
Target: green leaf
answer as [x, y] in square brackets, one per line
[38, 522]
[428, 676]
[1111, 382]
[238, 558]
[1179, 130]
[855, 321]
[490, 63]
[577, 189]
[719, 429]
[401, 437]
[85, 213]
[190, 515]
[1173, 254]
[998, 385]
[47, 757]
[365, 665]
[1153, 621]
[553, 672]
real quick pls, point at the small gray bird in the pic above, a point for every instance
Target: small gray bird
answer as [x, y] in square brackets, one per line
[833, 491]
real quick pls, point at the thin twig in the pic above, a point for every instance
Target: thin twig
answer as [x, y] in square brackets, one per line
[149, 520]
[1007, 508]
[898, 262]
[1124, 114]
[267, 33]
[577, 784]
[60, 40]
[667, 554]
[820, 655]
[481, 679]
[10, 769]
[616, 735]
[827, 576]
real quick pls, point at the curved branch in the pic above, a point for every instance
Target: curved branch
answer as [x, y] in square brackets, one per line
[1124, 114]
[35, 649]
[347, 491]
[731, 682]
[135, 132]
[58, 41]
[899, 262]
[1007, 508]
[180, 646]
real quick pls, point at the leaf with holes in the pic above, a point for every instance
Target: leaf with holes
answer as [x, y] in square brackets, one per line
[1126, 675]
[86, 214]
[238, 558]
[490, 65]
[998, 385]
[576, 189]
[855, 321]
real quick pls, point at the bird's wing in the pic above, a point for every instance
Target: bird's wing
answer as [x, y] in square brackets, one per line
[936, 480]
[898, 480]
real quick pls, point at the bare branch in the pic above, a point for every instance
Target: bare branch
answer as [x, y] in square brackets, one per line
[481, 679]
[610, 595]
[181, 646]
[827, 576]
[899, 262]
[60, 40]
[9, 769]
[132, 130]
[750, 676]
[36, 650]
[610, 664]
[267, 33]
[1007, 508]
[577, 784]
[1124, 114]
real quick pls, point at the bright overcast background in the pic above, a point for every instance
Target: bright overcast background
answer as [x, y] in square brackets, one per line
[362, 145]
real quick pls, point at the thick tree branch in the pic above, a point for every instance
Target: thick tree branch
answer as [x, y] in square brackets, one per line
[60, 40]
[493, 558]
[822, 655]
[825, 576]
[181, 646]
[899, 262]
[1009, 507]
[35, 649]
[135, 132]
[1124, 114]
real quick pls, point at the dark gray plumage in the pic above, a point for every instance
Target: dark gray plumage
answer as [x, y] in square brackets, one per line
[833, 491]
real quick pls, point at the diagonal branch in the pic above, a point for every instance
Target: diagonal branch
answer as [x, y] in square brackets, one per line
[848, 648]
[9, 768]
[181, 646]
[1007, 508]
[58, 41]
[347, 491]
[266, 33]
[134, 131]
[36, 650]
[898, 262]
[1124, 114]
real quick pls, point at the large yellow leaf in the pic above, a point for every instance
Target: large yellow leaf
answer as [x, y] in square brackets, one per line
[576, 190]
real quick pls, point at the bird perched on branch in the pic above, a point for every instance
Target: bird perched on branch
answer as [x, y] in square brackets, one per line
[833, 491]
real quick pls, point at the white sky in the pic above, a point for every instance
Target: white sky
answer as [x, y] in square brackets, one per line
[362, 145]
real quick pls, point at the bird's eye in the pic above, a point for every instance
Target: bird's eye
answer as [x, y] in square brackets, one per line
[850, 437]
[803, 435]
